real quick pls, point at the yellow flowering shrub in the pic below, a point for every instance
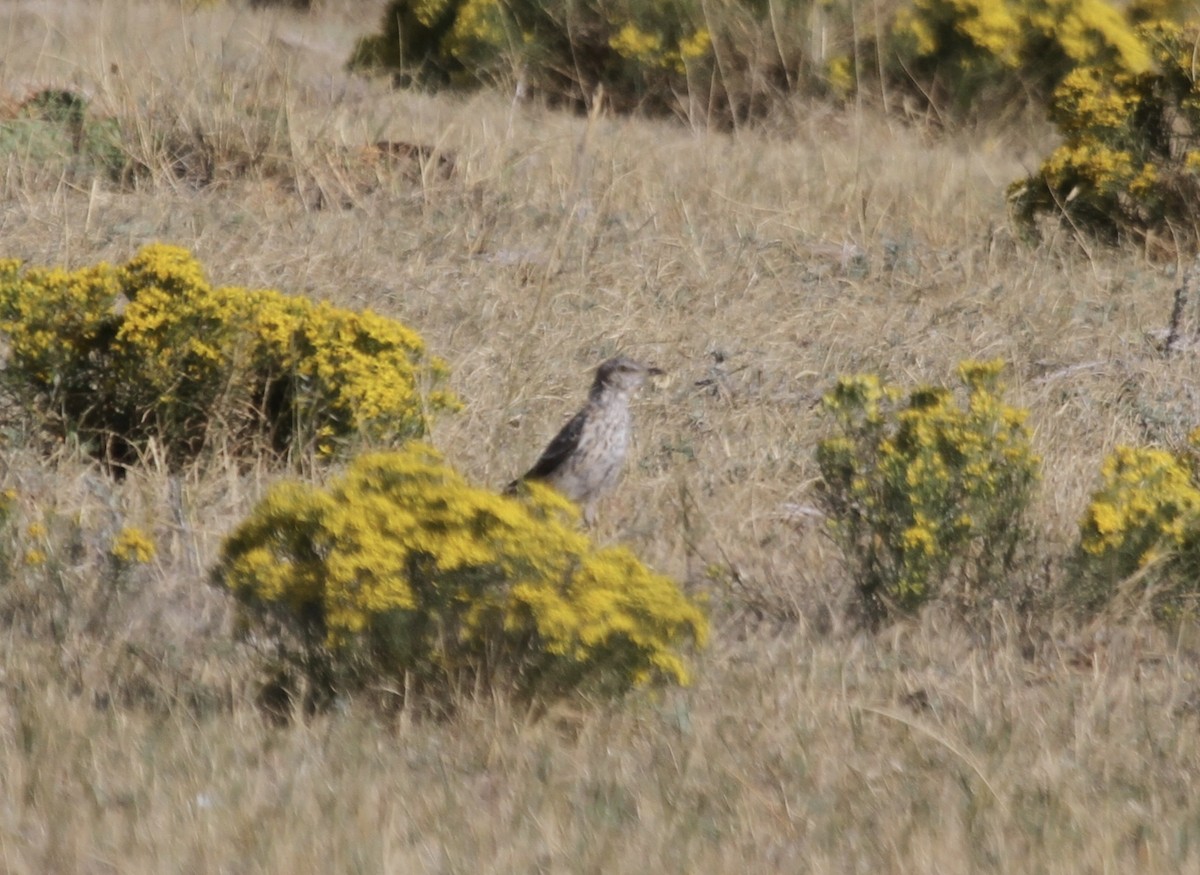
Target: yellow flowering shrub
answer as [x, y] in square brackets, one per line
[402, 572]
[728, 61]
[652, 56]
[150, 351]
[133, 546]
[925, 495]
[440, 42]
[1142, 524]
[961, 49]
[1125, 168]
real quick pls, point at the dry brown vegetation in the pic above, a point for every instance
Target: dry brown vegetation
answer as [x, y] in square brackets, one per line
[754, 268]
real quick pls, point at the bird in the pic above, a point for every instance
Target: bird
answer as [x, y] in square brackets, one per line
[583, 461]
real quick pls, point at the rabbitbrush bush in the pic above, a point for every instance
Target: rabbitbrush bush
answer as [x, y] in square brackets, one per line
[706, 61]
[149, 353]
[641, 52]
[926, 495]
[962, 50]
[402, 576]
[730, 60]
[1140, 534]
[1129, 163]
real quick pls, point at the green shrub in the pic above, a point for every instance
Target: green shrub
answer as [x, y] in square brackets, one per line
[926, 497]
[1140, 534]
[53, 131]
[1129, 164]
[402, 576]
[149, 353]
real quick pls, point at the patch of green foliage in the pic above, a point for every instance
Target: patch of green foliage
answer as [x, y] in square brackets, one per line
[53, 129]
[926, 496]
[402, 576]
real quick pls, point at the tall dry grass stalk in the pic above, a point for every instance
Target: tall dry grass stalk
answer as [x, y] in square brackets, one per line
[754, 268]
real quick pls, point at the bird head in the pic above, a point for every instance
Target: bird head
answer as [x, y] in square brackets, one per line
[622, 374]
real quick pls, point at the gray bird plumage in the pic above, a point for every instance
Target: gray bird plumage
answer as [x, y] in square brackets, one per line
[584, 460]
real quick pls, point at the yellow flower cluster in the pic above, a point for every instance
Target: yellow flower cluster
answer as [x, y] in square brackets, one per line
[650, 49]
[1094, 99]
[132, 545]
[862, 397]
[926, 492]
[993, 26]
[1091, 163]
[478, 23]
[150, 350]
[840, 73]
[1093, 30]
[403, 564]
[1124, 168]
[1009, 32]
[427, 12]
[638, 45]
[54, 319]
[696, 46]
[38, 536]
[1146, 513]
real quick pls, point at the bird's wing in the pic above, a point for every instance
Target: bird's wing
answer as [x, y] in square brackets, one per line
[559, 450]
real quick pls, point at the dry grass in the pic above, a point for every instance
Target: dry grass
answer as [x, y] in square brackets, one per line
[754, 268]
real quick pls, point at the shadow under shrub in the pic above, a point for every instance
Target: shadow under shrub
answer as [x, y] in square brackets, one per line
[402, 577]
[148, 357]
[926, 497]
